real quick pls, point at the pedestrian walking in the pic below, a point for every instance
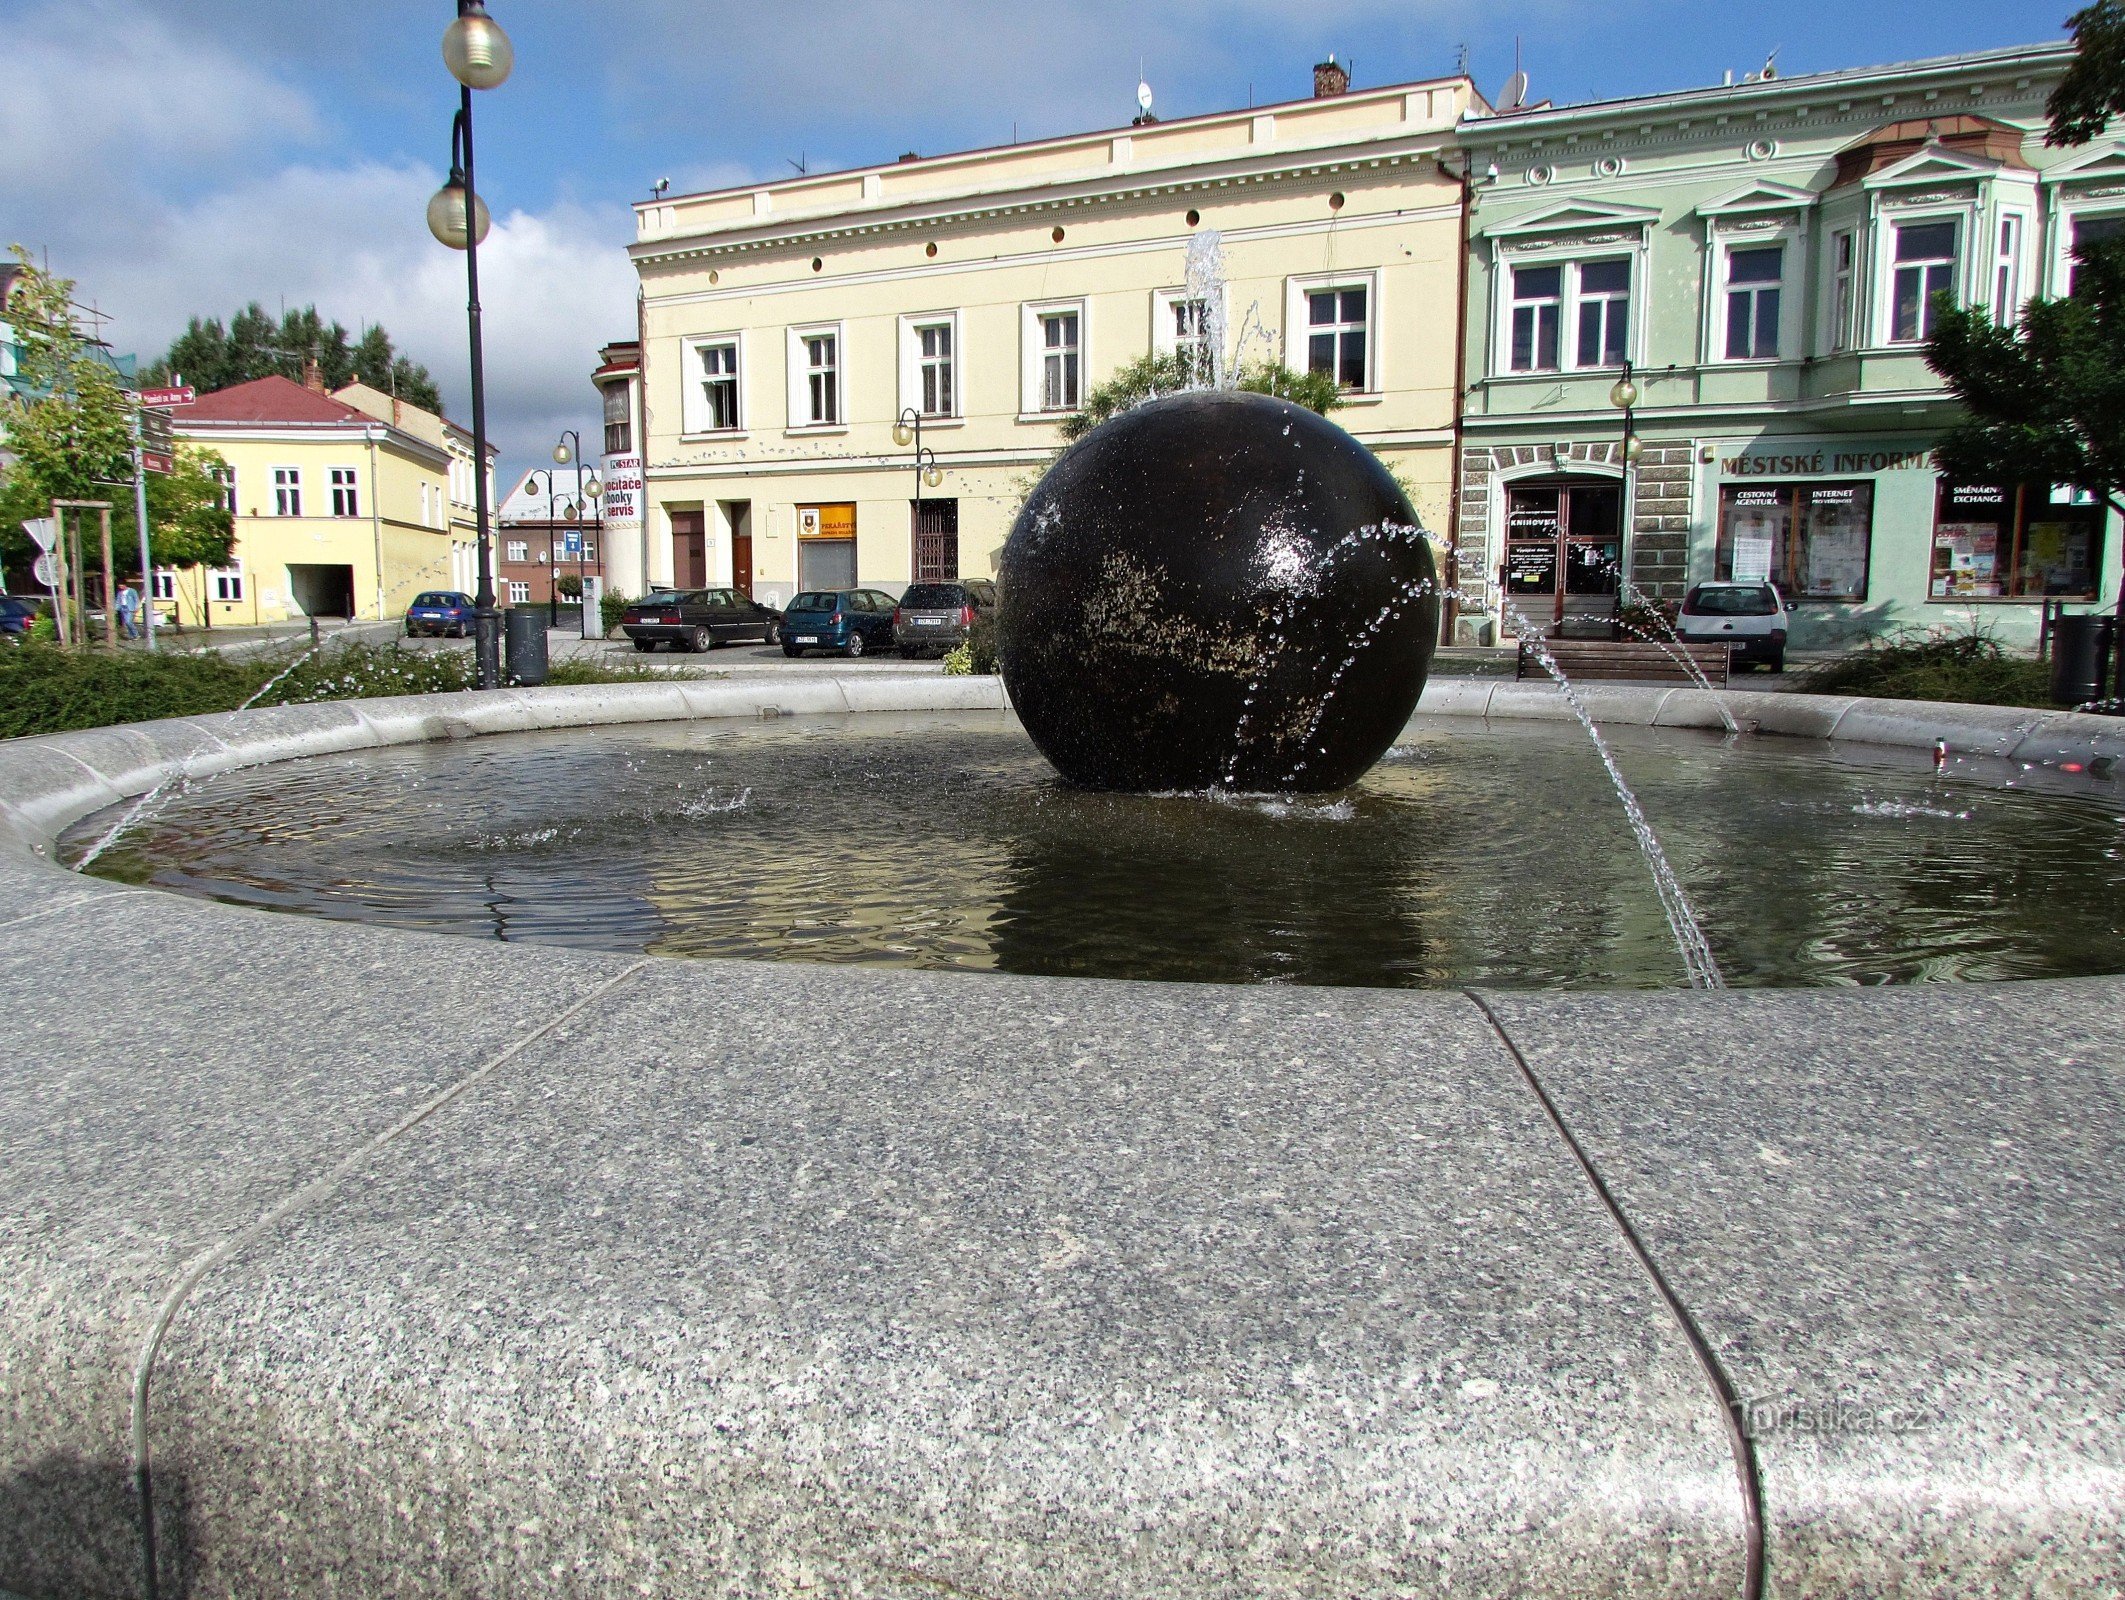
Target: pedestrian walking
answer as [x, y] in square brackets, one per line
[129, 611]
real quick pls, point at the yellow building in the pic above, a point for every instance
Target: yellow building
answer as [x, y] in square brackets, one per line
[441, 431]
[787, 326]
[340, 509]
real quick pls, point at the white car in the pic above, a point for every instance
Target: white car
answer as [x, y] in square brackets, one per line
[1749, 616]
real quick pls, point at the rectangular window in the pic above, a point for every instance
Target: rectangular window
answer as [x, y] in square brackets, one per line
[1188, 333]
[1538, 304]
[519, 593]
[719, 387]
[228, 584]
[345, 501]
[1813, 540]
[2007, 273]
[822, 376]
[1059, 371]
[619, 428]
[1842, 260]
[226, 477]
[1335, 334]
[2021, 542]
[287, 492]
[518, 550]
[934, 368]
[1925, 268]
[163, 586]
[1755, 281]
[1604, 311]
[590, 551]
[2092, 230]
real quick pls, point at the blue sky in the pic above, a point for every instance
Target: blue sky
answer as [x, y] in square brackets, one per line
[181, 157]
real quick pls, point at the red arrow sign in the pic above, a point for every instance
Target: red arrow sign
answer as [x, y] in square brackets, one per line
[168, 397]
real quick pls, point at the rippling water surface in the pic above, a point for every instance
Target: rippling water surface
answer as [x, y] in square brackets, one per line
[1472, 854]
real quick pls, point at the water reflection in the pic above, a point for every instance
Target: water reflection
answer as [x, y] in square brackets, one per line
[1472, 854]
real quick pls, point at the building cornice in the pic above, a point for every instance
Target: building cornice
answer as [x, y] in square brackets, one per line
[1040, 198]
[206, 430]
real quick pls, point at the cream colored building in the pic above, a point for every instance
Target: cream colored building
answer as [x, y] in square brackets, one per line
[786, 327]
[457, 442]
[339, 511]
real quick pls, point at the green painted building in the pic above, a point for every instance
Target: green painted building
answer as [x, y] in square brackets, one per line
[1764, 256]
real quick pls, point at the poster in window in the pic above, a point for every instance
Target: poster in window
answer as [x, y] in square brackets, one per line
[1531, 569]
[1752, 558]
[1966, 560]
[1837, 520]
[2059, 558]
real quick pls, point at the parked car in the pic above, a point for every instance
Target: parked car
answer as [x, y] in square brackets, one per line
[1751, 617]
[933, 617]
[441, 613]
[699, 619]
[18, 612]
[851, 621]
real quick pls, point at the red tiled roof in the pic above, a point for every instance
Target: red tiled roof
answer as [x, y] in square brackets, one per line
[273, 399]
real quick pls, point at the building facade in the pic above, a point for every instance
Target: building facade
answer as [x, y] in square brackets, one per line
[538, 540]
[786, 328]
[1765, 256]
[456, 442]
[338, 512]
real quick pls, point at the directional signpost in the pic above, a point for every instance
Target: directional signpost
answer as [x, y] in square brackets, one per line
[163, 399]
[155, 449]
[158, 445]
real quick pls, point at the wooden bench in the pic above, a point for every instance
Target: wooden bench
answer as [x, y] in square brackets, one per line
[1626, 660]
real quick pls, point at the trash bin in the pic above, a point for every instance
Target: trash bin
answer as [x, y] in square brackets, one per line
[525, 638]
[2077, 657]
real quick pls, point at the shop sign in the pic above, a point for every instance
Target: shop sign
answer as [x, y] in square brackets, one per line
[622, 498]
[827, 522]
[1833, 462]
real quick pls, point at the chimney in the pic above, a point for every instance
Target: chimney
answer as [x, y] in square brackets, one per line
[313, 375]
[1329, 79]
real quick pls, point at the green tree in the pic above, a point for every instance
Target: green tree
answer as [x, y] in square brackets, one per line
[189, 524]
[2044, 400]
[209, 355]
[1150, 376]
[71, 430]
[2093, 89]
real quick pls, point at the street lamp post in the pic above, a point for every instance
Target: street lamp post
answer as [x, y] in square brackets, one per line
[1624, 397]
[908, 430]
[479, 56]
[589, 492]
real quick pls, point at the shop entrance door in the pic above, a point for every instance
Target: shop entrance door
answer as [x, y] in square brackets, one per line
[936, 540]
[1564, 554]
[739, 513]
[689, 549]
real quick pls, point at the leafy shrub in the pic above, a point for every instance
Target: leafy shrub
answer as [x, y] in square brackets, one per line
[980, 644]
[362, 671]
[568, 586]
[610, 605]
[44, 689]
[1969, 666]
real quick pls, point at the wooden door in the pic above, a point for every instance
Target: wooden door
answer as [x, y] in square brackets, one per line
[689, 549]
[936, 540]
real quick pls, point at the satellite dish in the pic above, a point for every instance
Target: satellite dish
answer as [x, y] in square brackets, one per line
[1514, 95]
[1143, 95]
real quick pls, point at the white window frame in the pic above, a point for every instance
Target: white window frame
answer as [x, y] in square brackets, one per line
[162, 585]
[227, 583]
[519, 592]
[517, 550]
[1571, 257]
[2007, 276]
[693, 406]
[225, 475]
[1165, 336]
[1844, 291]
[801, 374]
[287, 491]
[911, 363]
[1962, 218]
[1791, 238]
[1296, 329]
[2067, 221]
[1033, 350]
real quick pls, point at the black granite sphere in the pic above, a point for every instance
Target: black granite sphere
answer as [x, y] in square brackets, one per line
[1216, 590]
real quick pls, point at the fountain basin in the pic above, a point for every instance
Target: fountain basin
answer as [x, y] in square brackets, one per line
[480, 1267]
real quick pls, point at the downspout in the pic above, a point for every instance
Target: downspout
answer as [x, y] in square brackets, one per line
[1453, 504]
[376, 525]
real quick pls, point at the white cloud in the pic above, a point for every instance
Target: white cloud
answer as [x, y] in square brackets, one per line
[96, 86]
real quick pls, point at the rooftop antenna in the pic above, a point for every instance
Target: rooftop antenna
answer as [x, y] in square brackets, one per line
[1143, 95]
[1770, 66]
[800, 162]
[1461, 61]
[1514, 95]
[656, 190]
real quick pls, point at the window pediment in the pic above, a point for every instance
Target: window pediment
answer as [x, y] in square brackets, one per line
[1575, 216]
[1934, 167]
[1758, 199]
[2095, 167]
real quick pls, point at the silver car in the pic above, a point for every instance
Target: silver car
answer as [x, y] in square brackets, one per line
[933, 617]
[1751, 617]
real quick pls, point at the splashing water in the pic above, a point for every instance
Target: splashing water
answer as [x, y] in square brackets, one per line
[1696, 951]
[284, 671]
[1208, 367]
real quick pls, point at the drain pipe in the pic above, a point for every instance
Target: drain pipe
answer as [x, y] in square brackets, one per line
[376, 528]
[1466, 178]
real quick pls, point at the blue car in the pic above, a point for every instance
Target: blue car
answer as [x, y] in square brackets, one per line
[850, 621]
[441, 612]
